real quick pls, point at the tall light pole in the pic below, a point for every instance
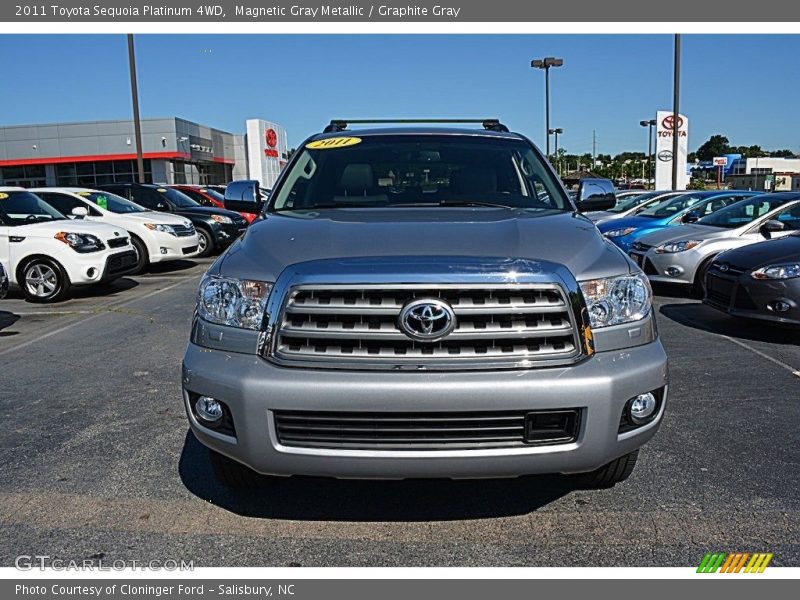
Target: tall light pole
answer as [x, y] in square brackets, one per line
[676, 88]
[650, 124]
[137, 124]
[545, 64]
[556, 132]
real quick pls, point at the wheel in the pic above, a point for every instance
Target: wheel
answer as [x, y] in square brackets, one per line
[699, 287]
[231, 473]
[142, 256]
[205, 243]
[614, 472]
[43, 280]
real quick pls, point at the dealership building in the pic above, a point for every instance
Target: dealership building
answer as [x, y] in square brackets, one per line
[175, 151]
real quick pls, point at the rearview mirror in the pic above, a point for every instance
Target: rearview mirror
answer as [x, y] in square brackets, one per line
[79, 212]
[691, 217]
[770, 227]
[244, 196]
[595, 194]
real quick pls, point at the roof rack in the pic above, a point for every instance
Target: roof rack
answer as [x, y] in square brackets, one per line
[337, 125]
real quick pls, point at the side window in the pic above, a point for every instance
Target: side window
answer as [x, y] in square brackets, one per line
[64, 203]
[197, 197]
[790, 218]
[145, 197]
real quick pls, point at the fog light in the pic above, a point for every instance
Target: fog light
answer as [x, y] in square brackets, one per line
[91, 272]
[674, 271]
[642, 408]
[208, 409]
[164, 250]
[779, 306]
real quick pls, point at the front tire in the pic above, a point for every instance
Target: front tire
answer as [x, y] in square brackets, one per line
[231, 473]
[611, 474]
[142, 256]
[205, 242]
[699, 287]
[43, 280]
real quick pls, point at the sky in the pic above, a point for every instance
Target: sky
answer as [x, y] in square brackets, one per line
[744, 87]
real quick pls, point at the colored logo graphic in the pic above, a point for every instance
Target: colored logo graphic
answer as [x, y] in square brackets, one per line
[735, 562]
[668, 121]
[272, 138]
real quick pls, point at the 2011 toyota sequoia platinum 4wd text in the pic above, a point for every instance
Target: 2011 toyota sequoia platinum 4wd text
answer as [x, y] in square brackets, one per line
[423, 302]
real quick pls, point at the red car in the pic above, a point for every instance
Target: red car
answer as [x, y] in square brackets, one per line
[207, 196]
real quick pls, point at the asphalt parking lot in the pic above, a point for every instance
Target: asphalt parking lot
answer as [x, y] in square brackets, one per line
[98, 461]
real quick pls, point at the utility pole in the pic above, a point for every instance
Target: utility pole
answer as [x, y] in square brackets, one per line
[594, 148]
[137, 124]
[675, 98]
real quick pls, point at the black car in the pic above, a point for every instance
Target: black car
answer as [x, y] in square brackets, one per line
[758, 281]
[217, 228]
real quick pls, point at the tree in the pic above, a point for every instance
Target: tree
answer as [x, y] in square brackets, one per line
[717, 145]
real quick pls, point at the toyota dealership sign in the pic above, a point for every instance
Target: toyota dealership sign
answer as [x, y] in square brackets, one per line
[267, 150]
[664, 133]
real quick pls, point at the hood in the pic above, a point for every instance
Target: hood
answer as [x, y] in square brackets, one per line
[638, 222]
[152, 216]
[685, 232]
[754, 256]
[595, 215]
[207, 211]
[280, 240]
[49, 228]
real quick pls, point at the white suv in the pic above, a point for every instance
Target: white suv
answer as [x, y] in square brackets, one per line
[156, 237]
[45, 253]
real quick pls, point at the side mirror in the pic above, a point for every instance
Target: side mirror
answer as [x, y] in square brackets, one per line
[244, 196]
[80, 212]
[770, 227]
[595, 194]
[691, 217]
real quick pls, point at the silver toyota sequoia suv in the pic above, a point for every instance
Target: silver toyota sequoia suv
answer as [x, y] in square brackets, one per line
[423, 302]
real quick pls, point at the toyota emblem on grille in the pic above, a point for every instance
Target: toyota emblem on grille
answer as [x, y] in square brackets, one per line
[427, 319]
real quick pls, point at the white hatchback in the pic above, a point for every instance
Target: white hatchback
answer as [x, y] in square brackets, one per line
[45, 253]
[155, 236]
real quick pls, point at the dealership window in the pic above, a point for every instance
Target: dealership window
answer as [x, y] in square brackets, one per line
[89, 174]
[25, 176]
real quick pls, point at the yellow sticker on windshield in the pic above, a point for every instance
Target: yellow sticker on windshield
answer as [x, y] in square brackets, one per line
[3, 196]
[334, 142]
[84, 193]
[161, 190]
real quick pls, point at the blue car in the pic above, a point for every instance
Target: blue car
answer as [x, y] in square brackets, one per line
[677, 210]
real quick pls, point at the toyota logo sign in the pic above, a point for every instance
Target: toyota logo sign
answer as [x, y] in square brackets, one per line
[668, 121]
[272, 138]
[665, 155]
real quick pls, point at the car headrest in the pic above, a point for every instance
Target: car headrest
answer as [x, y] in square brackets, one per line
[358, 178]
[474, 181]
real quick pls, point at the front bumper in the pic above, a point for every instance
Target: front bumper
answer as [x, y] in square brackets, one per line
[743, 296]
[96, 267]
[656, 266]
[164, 246]
[252, 388]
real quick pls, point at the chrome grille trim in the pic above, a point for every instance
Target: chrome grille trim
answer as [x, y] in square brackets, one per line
[183, 231]
[354, 326]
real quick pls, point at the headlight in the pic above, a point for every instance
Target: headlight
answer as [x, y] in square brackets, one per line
[80, 242]
[617, 300]
[233, 302]
[787, 271]
[673, 247]
[160, 227]
[222, 219]
[619, 232]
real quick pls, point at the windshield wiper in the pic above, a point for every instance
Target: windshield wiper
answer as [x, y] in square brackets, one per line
[474, 203]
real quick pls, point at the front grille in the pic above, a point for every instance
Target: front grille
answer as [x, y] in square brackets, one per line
[649, 267]
[640, 247]
[743, 300]
[189, 249]
[117, 242]
[183, 231]
[120, 262]
[425, 431]
[352, 326]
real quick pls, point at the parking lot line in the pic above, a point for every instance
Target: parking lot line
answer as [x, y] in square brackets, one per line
[88, 318]
[771, 359]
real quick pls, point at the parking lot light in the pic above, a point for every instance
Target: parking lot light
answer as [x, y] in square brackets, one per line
[545, 64]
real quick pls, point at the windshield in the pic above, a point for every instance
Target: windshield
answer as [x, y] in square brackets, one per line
[630, 201]
[671, 207]
[179, 199]
[419, 170]
[112, 202]
[743, 212]
[24, 208]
